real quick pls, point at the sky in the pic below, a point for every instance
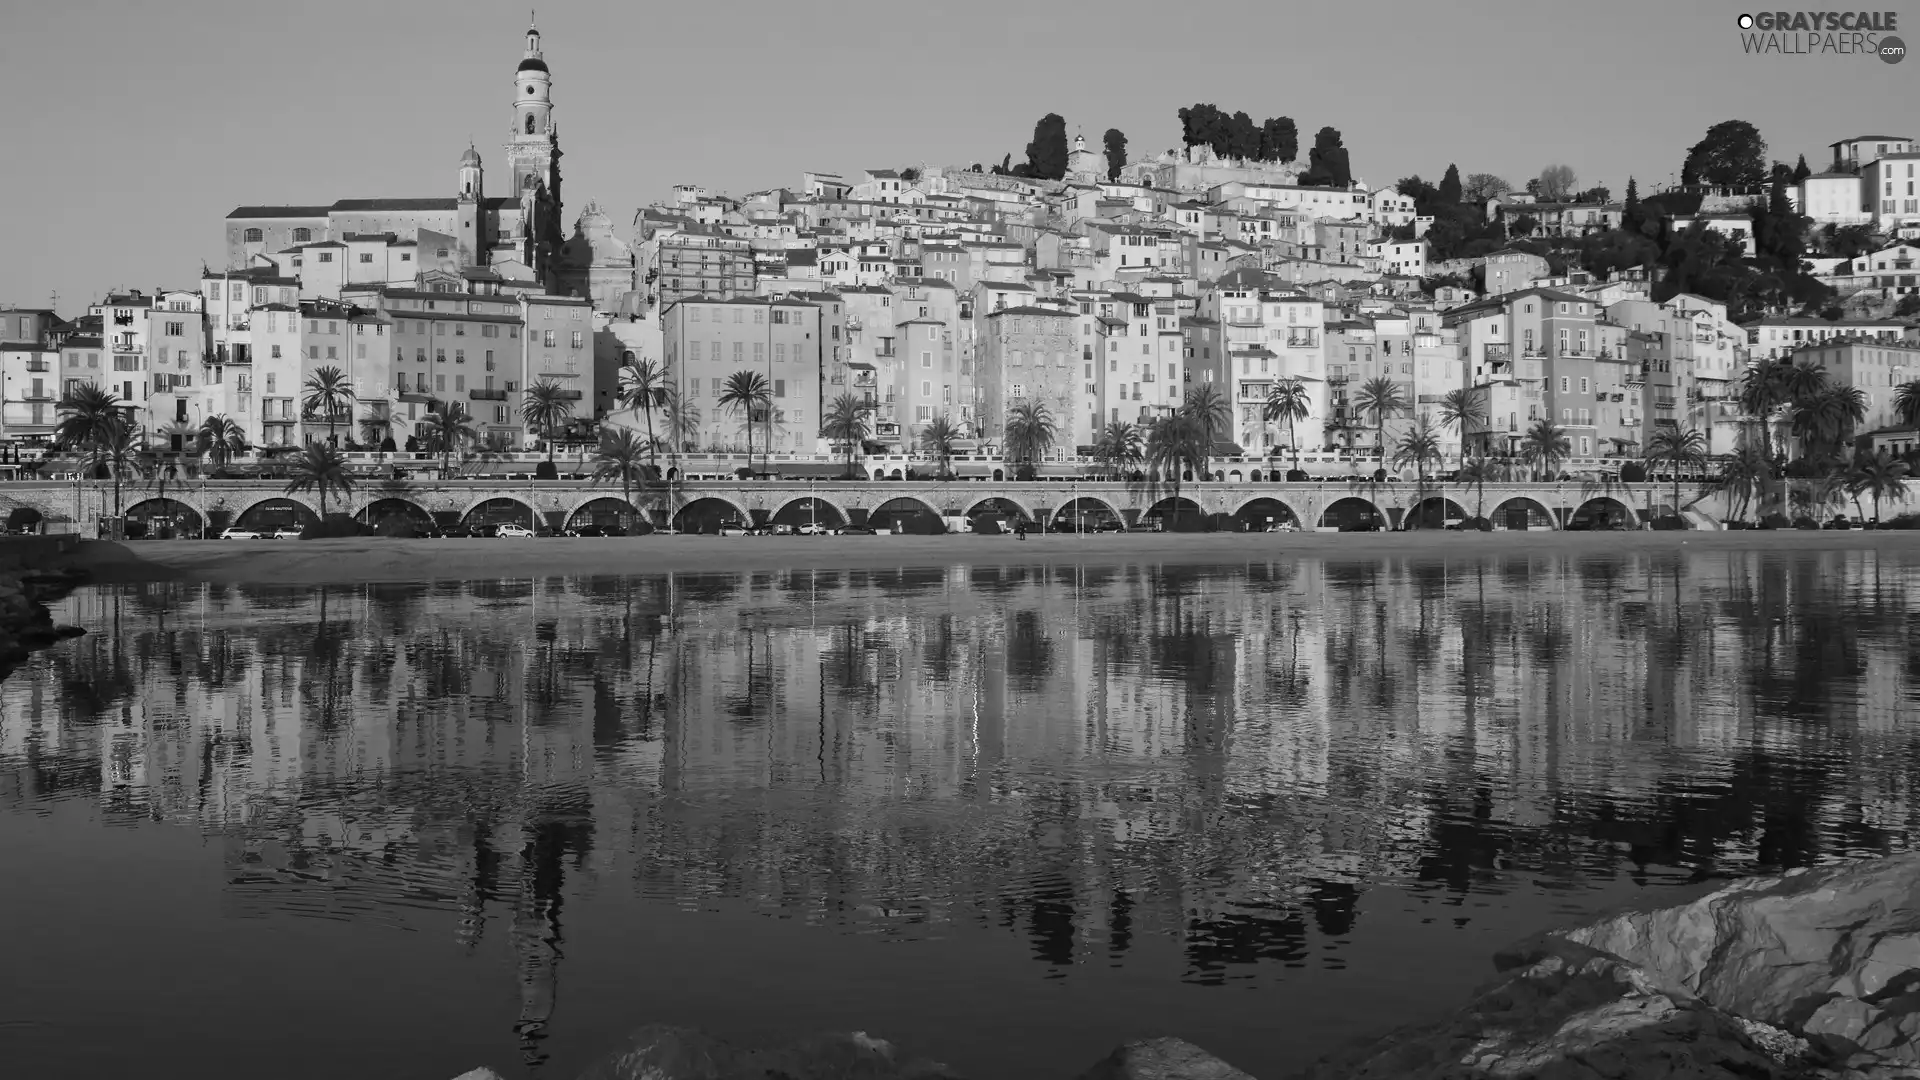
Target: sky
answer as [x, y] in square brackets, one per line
[139, 127]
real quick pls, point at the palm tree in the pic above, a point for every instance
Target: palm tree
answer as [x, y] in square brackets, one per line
[1882, 475]
[89, 418]
[846, 423]
[1745, 477]
[1825, 419]
[1463, 410]
[1118, 448]
[446, 430]
[546, 406]
[328, 391]
[643, 386]
[1176, 445]
[1544, 447]
[1906, 403]
[1380, 397]
[937, 439]
[619, 458]
[1418, 447]
[320, 468]
[747, 392]
[121, 455]
[220, 437]
[1679, 450]
[375, 428]
[1288, 401]
[1030, 433]
[1478, 472]
[682, 420]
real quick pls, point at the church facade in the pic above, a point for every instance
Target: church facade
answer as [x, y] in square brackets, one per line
[517, 234]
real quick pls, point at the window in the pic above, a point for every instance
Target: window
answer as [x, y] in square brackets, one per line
[276, 355]
[439, 356]
[578, 339]
[326, 256]
[1583, 385]
[459, 356]
[253, 236]
[1563, 384]
[301, 236]
[313, 352]
[366, 257]
[547, 338]
[779, 388]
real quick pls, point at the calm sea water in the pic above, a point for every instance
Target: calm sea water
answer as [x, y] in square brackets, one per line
[1007, 818]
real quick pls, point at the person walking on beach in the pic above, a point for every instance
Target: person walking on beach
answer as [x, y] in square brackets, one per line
[1020, 529]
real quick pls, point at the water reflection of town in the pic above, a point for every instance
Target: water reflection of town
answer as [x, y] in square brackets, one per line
[1081, 755]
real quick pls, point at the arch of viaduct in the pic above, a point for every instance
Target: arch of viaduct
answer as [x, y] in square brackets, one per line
[1553, 504]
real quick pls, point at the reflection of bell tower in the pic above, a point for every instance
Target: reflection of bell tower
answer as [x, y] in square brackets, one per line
[533, 159]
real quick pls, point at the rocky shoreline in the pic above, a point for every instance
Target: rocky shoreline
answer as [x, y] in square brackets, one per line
[26, 626]
[1812, 975]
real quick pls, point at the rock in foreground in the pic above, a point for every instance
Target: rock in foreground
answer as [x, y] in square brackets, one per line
[660, 1052]
[1162, 1059]
[1814, 974]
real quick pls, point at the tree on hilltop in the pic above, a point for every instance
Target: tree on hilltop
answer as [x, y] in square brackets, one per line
[1483, 186]
[1732, 153]
[1047, 153]
[1116, 149]
[1450, 185]
[1556, 183]
[1279, 139]
[1327, 163]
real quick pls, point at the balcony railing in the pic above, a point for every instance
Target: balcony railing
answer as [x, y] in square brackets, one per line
[37, 365]
[568, 395]
[486, 394]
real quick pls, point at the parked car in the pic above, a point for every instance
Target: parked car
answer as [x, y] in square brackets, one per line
[1110, 525]
[668, 531]
[589, 529]
[241, 534]
[813, 528]
[733, 529]
[782, 529]
[1288, 526]
[853, 530]
[287, 532]
[514, 532]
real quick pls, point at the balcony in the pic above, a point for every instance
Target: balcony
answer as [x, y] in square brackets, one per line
[37, 365]
[1303, 341]
[568, 395]
[484, 394]
[36, 396]
[417, 397]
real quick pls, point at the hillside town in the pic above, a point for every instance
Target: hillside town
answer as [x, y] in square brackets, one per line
[1085, 293]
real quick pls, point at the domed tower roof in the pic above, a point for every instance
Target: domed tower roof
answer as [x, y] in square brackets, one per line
[471, 157]
[533, 63]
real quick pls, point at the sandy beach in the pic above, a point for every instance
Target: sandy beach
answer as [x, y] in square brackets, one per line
[383, 559]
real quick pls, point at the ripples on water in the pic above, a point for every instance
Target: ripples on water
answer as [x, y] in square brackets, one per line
[1226, 760]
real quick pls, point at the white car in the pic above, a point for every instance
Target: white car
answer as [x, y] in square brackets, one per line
[1284, 526]
[733, 530]
[288, 532]
[515, 532]
[241, 534]
[814, 528]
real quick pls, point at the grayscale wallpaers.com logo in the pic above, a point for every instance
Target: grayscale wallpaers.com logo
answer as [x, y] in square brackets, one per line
[1828, 33]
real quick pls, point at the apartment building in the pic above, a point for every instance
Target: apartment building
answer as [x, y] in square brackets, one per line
[783, 339]
[1027, 355]
[1773, 337]
[1267, 337]
[1891, 186]
[1875, 365]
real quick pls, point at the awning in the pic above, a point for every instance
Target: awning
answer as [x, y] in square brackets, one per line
[1227, 449]
[810, 470]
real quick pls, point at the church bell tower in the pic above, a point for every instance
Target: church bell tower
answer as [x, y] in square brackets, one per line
[533, 158]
